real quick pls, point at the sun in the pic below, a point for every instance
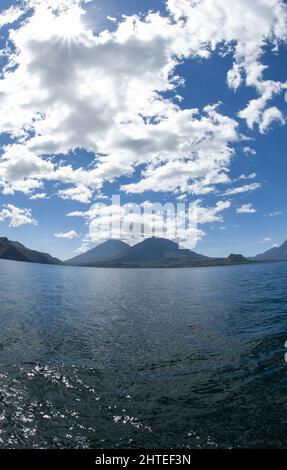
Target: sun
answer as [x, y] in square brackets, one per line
[69, 25]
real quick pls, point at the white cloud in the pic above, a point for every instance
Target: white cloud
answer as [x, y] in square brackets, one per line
[16, 216]
[207, 167]
[207, 215]
[249, 151]
[67, 235]
[128, 221]
[248, 27]
[269, 116]
[111, 18]
[275, 214]
[247, 177]
[242, 189]
[39, 196]
[79, 193]
[68, 89]
[83, 248]
[246, 209]
[22, 170]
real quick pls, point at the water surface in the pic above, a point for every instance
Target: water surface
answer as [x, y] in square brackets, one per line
[167, 358]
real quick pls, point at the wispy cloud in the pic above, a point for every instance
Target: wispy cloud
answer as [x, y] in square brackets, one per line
[246, 209]
[242, 189]
[247, 177]
[10, 15]
[274, 214]
[67, 235]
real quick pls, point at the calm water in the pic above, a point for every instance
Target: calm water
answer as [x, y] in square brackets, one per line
[99, 358]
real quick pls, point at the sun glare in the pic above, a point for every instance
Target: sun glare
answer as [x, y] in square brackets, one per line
[69, 25]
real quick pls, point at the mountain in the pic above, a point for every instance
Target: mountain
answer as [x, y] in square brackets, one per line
[275, 254]
[159, 251]
[149, 250]
[107, 251]
[17, 252]
[163, 253]
[150, 253]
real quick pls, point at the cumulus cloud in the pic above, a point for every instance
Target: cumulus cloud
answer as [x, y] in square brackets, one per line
[66, 88]
[207, 215]
[248, 27]
[133, 223]
[16, 216]
[67, 235]
[246, 209]
[269, 116]
[78, 193]
[77, 103]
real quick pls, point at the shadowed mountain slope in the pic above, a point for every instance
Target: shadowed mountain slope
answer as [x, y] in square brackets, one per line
[163, 253]
[275, 254]
[15, 251]
[107, 251]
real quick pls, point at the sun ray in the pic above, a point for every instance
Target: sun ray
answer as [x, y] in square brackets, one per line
[69, 25]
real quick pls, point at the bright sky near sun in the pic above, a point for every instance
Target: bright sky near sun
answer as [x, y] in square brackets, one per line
[158, 101]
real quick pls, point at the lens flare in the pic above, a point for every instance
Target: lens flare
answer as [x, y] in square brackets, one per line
[69, 25]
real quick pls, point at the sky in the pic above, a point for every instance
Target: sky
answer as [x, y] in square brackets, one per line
[176, 101]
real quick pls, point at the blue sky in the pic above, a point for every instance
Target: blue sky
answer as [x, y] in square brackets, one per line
[98, 98]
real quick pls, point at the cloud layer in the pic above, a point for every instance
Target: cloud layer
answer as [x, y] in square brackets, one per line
[115, 94]
[65, 88]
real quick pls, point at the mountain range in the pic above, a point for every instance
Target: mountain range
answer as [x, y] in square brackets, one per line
[150, 253]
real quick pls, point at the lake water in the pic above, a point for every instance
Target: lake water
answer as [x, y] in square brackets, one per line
[179, 358]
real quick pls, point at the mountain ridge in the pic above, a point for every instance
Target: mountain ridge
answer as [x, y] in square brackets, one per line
[15, 251]
[274, 254]
[150, 253]
[111, 249]
[157, 253]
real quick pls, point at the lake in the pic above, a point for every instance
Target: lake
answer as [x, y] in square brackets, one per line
[179, 358]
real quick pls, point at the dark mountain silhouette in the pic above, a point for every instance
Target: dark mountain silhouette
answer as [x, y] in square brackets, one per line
[17, 252]
[160, 253]
[150, 253]
[107, 251]
[275, 254]
[236, 259]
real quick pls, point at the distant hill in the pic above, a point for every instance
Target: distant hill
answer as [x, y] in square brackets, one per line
[275, 254]
[15, 251]
[236, 259]
[107, 251]
[150, 253]
[163, 253]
